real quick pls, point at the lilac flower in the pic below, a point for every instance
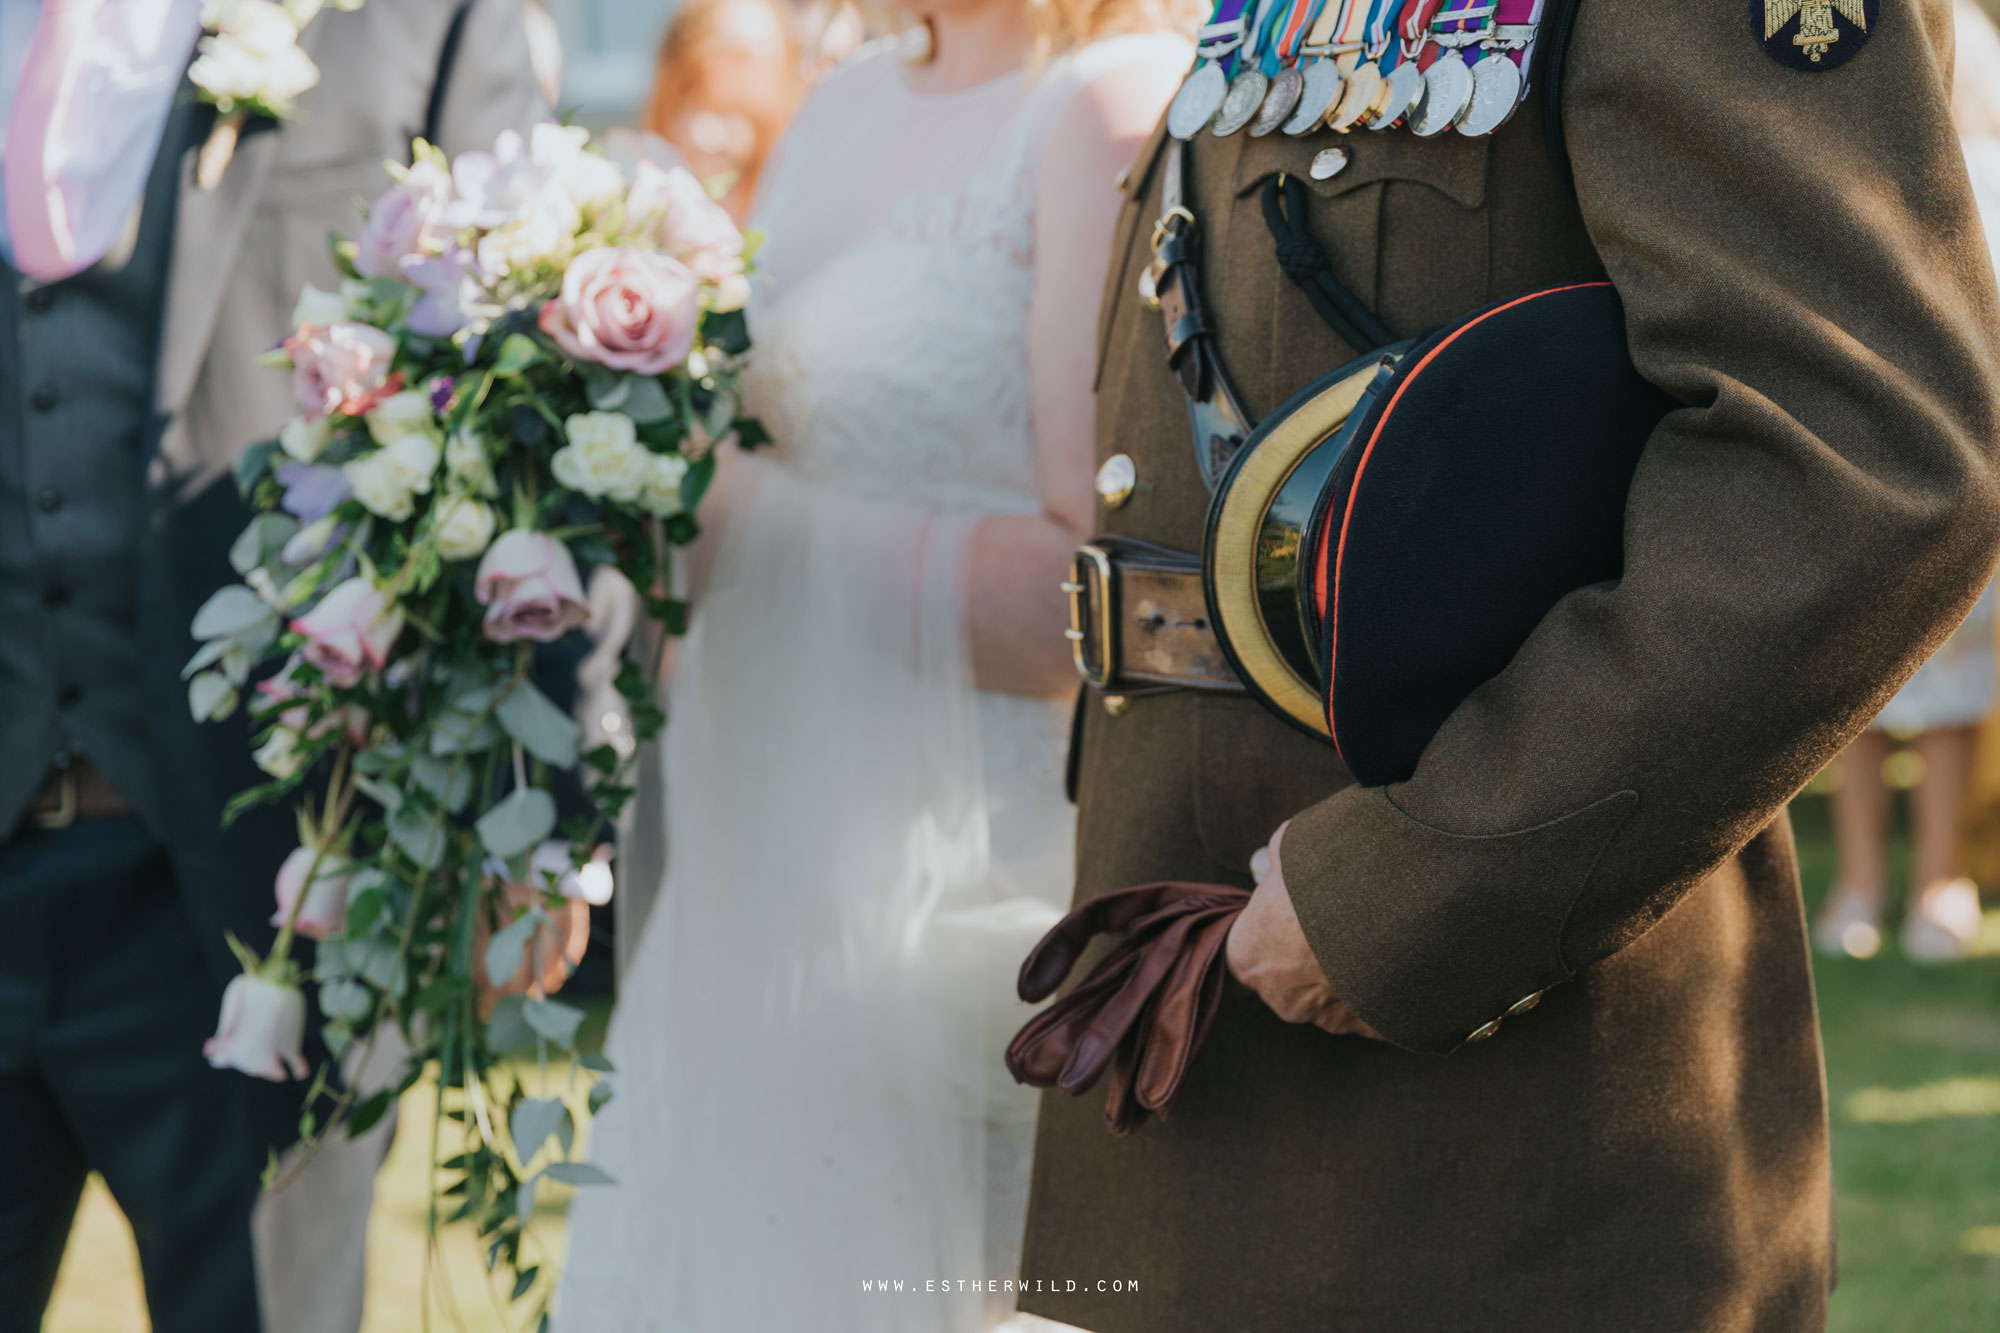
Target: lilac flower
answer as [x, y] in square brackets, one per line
[312, 490]
[450, 282]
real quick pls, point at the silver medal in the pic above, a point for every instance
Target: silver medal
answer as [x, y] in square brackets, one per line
[1246, 94]
[1199, 98]
[1496, 91]
[1447, 88]
[1279, 103]
[1321, 91]
[1406, 86]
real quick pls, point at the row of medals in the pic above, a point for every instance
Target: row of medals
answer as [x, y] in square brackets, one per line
[1342, 92]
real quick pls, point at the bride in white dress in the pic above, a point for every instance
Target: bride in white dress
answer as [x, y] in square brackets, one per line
[813, 1132]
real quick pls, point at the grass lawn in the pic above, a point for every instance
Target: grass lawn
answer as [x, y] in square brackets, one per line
[1913, 1058]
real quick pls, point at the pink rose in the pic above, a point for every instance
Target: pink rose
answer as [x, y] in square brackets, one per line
[262, 1030]
[402, 221]
[528, 585]
[283, 693]
[350, 632]
[325, 910]
[627, 308]
[673, 210]
[341, 368]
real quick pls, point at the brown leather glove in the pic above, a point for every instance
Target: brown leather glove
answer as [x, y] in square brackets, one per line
[1143, 1010]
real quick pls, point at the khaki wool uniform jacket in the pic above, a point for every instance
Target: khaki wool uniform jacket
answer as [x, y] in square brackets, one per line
[1801, 268]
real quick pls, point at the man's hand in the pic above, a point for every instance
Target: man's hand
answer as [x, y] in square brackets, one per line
[1268, 952]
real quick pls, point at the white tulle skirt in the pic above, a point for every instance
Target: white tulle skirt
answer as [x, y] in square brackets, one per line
[810, 1099]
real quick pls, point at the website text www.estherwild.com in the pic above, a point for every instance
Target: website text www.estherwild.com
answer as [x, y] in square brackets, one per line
[992, 1286]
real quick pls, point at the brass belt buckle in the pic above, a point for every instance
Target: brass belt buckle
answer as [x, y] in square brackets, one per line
[1090, 615]
[65, 812]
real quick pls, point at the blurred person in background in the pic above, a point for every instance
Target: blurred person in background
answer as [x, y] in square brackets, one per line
[1942, 705]
[730, 75]
[808, 1040]
[134, 302]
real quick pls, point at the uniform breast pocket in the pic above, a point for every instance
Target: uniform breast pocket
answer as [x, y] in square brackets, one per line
[1402, 224]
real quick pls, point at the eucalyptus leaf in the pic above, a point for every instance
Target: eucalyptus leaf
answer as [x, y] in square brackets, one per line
[262, 540]
[645, 400]
[606, 394]
[532, 719]
[553, 1020]
[253, 463]
[524, 1197]
[578, 1173]
[521, 819]
[207, 655]
[450, 784]
[456, 733]
[345, 1000]
[211, 697]
[419, 832]
[231, 612]
[532, 1122]
[509, 943]
[508, 1030]
[368, 1111]
[517, 352]
[388, 797]
[600, 1093]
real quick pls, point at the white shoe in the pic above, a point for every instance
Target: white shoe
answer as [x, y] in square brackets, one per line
[1849, 927]
[1944, 923]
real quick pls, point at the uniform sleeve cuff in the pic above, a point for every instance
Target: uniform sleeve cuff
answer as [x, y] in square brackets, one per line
[1434, 937]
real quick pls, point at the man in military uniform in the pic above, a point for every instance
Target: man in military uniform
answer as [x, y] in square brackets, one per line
[1581, 1085]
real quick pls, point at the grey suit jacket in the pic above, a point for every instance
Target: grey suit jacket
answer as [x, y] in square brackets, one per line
[455, 72]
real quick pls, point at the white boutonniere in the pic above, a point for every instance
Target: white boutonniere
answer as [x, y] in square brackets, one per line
[249, 63]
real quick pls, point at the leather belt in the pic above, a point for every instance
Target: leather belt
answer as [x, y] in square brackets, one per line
[1139, 620]
[74, 790]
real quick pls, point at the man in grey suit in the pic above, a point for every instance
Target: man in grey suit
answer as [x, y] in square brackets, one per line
[126, 390]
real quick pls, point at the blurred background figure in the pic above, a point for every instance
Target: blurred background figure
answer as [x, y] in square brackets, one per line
[730, 75]
[1944, 703]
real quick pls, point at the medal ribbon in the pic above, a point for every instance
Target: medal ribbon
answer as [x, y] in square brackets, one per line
[1464, 18]
[1222, 35]
[1257, 48]
[1293, 33]
[1516, 25]
[1381, 31]
[1416, 29]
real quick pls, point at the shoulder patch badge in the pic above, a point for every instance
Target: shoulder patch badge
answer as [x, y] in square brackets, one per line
[1813, 35]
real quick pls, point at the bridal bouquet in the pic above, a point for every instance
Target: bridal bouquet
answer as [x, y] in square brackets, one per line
[520, 376]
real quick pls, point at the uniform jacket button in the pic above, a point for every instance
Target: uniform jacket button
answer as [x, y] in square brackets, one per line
[1116, 480]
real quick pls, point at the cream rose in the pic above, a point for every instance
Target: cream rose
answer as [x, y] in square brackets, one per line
[662, 492]
[467, 465]
[305, 438]
[464, 526]
[406, 413]
[603, 457]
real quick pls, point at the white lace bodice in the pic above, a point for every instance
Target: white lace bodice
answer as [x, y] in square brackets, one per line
[890, 321]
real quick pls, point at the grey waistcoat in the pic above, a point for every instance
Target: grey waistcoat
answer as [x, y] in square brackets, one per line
[76, 422]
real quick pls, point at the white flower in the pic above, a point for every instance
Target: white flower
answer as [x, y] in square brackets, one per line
[309, 543]
[381, 486]
[279, 755]
[261, 1030]
[467, 465]
[464, 526]
[731, 293]
[662, 492]
[261, 27]
[545, 233]
[603, 457]
[414, 461]
[231, 70]
[589, 179]
[305, 439]
[401, 414]
[320, 307]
